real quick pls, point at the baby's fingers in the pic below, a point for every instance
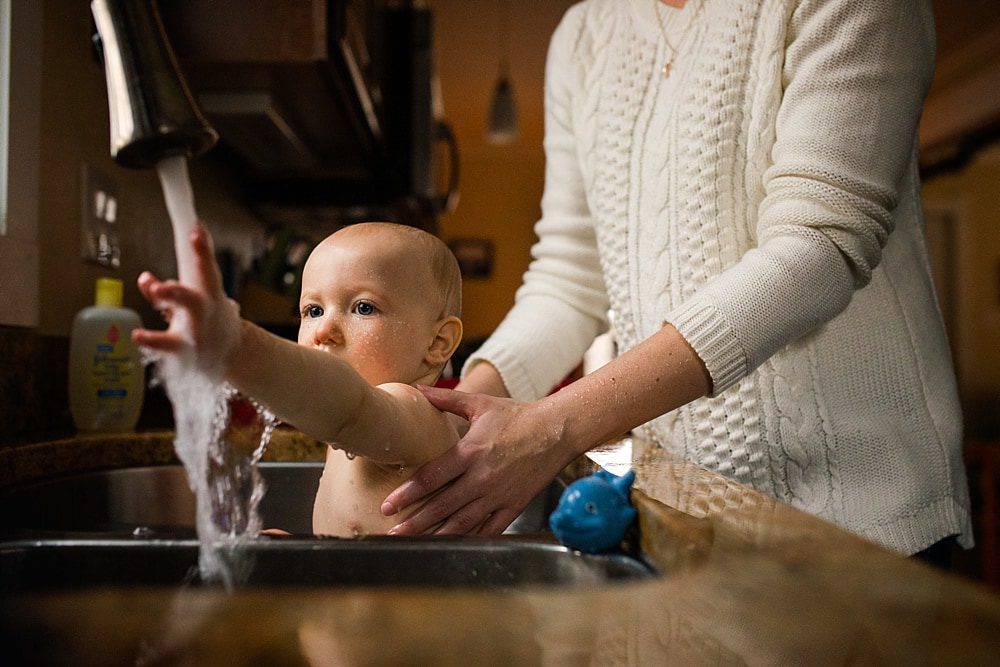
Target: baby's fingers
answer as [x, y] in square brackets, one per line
[145, 283]
[172, 294]
[208, 270]
[164, 341]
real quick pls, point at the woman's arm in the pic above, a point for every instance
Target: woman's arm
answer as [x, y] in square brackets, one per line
[853, 82]
[525, 445]
[483, 378]
[562, 304]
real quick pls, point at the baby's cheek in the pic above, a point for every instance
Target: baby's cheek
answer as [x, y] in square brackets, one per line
[373, 350]
[368, 341]
[305, 330]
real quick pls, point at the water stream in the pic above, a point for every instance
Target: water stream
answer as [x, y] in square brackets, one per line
[220, 458]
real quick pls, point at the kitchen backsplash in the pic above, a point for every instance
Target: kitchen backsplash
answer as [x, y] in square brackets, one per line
[34, 404]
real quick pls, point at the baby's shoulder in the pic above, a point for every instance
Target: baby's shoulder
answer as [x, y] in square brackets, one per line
[402, 390]
[428, 430]
[411, 400]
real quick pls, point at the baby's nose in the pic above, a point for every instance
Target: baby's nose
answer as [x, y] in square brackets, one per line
[327, 332]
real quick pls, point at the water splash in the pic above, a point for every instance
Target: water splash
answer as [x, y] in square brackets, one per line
[220, 458]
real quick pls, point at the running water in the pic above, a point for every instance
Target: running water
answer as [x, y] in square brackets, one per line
[220, 460]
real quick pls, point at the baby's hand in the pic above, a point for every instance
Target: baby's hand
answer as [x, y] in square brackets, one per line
[200, 315]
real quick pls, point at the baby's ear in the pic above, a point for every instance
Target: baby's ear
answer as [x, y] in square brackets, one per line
[446, 338]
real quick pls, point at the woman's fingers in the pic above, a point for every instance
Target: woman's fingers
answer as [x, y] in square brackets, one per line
[429, 477]
[498, 522]
[438, 510]
[461, 424]
[465, 520]
[455, 403]
[434, 513]
[448, 400]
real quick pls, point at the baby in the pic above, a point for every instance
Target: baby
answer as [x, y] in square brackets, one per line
[380, 309]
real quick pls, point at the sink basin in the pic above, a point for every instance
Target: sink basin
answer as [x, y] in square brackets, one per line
[30, 566]
[135, 527]
[156, 500]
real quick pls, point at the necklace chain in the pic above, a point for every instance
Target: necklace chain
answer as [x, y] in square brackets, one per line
[672, 55]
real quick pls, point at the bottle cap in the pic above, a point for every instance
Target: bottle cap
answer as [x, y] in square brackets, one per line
[108, 293]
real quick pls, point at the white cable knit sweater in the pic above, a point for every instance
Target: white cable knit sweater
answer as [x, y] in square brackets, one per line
[764, 200]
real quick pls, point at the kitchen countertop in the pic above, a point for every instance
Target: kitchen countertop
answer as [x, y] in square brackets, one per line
[747, 580]
[27, 463]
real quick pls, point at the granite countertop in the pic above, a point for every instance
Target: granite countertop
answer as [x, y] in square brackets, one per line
[27, 463]
[747, 580]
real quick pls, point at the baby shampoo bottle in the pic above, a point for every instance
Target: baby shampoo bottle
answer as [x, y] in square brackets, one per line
[106, 375]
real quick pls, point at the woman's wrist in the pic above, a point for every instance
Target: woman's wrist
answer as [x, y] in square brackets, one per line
[557, 422]
[658, 375]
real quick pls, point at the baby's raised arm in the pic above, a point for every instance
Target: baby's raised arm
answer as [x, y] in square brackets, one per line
[319, 394]
[324, 397]
[203, 321]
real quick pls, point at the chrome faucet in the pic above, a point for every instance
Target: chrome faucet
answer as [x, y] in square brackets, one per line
[153, 114]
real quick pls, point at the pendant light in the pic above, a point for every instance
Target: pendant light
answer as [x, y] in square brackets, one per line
[503, 126]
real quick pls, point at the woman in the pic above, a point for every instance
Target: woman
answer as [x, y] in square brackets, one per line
[737, 182]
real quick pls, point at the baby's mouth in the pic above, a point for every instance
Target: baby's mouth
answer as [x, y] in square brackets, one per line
[325, 349]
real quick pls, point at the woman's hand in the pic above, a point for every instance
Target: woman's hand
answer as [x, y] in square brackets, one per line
[510, 453]
[200, 315]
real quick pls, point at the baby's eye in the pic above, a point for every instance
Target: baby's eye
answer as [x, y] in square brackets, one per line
[312, 312]
[364, 308]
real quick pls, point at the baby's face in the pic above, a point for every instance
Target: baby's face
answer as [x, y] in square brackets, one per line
[368, 300]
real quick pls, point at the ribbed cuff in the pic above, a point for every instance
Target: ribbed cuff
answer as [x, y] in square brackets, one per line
[708, 333]
[916, 532]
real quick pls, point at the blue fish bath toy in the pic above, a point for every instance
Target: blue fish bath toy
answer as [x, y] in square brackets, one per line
[594, 512]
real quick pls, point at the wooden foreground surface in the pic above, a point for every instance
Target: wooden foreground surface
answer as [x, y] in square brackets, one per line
[747, 580]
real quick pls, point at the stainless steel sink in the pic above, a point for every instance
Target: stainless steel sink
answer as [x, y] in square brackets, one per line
[29, 566]
[135, 526]
[156, 500]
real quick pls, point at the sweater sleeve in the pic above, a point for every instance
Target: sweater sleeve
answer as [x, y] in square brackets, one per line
[562, 304]
[854, 78]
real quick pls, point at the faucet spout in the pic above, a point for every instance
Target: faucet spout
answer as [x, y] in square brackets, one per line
[152, 112]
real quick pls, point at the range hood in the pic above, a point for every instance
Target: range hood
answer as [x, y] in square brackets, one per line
[324, 107]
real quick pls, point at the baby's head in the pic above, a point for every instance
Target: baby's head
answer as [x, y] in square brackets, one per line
[386, 298]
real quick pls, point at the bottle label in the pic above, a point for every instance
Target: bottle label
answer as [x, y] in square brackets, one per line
[112, 369]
